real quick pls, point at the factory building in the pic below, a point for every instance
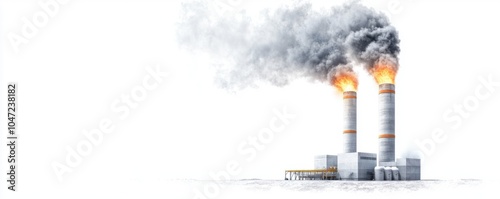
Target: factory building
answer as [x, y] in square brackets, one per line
[354, 165]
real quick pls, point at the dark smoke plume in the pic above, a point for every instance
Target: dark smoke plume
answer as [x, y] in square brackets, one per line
[288, 43]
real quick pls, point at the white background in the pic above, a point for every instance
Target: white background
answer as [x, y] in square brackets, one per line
[92, 52]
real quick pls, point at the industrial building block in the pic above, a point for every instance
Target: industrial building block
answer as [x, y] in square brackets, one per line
[409, 168]
[356, 166]
[325, 161]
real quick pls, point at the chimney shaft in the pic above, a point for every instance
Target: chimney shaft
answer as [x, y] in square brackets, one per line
[386, 140]
[349, 122]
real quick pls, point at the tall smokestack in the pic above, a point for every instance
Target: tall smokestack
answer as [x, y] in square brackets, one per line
[386, 138]
[349, 121]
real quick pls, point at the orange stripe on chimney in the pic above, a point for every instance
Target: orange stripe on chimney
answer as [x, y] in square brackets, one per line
[349, 96]
[387, 136]
[386, 91]
[349, 131]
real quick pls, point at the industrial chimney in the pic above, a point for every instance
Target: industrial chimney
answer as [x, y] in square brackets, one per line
[349, 122]
[386, 141]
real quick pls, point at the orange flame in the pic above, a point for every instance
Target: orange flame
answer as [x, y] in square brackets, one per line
[384, 73]
[345, 81]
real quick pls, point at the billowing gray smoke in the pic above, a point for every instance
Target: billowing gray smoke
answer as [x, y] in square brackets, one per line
[288, 43]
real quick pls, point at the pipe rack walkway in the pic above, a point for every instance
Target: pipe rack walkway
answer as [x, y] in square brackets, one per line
[313, 174]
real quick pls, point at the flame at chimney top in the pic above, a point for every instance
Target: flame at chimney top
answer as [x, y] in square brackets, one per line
[345, 80]
[384, 73]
